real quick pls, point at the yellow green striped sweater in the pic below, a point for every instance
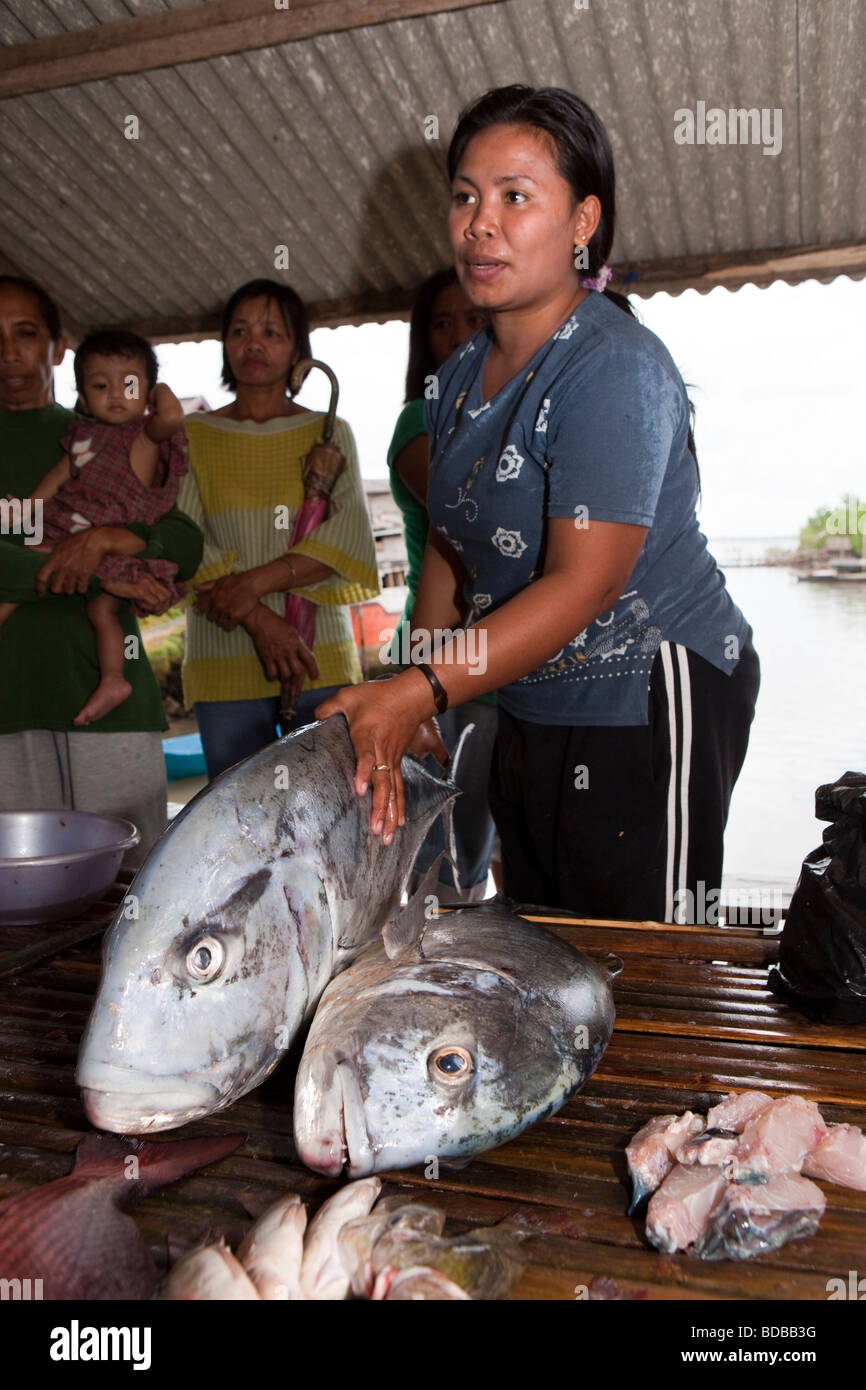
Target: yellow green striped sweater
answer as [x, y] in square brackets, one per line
[244, 490]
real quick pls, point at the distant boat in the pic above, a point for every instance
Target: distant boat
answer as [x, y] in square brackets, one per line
[839, 572]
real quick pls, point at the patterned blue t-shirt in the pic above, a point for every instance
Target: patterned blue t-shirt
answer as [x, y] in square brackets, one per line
[594, 428]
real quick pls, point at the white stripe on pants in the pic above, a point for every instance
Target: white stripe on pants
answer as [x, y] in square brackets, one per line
[680, 733]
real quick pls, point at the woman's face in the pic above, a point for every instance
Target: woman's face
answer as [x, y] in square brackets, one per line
[260, 348]
[453, 319]
[28, 354]
[514, 221]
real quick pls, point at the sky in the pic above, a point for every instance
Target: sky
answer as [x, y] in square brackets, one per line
[776, 376]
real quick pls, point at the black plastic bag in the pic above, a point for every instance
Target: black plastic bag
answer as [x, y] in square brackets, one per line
[822, 954]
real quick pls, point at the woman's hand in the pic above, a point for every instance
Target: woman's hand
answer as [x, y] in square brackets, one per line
[73, 561]
[284, 656]
[385, 719]
[228, 601]
[147, 592]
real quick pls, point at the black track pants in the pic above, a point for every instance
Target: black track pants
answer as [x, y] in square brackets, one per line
[627, 822]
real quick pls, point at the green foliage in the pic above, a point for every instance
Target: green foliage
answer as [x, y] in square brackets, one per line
[848, 519]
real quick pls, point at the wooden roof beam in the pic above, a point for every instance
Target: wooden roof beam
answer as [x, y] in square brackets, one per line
[189, 35]
[733, 269]
[642, 278]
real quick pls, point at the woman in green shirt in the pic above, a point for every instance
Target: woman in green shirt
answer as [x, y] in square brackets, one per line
[442, 319]
[114, 766]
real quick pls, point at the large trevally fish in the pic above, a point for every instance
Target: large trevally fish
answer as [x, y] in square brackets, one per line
[448, 1044]
[265, 886]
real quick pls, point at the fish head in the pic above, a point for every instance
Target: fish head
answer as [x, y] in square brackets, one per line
[450, 1049]
[206, 968]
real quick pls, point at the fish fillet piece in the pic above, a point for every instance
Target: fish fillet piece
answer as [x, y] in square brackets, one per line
[272, 1250]
[776, 1139]
[712, 1147]
[211, 1273]
[679, 1211]
[651, 1152]
[840, 1157]
[735, 1111]
[753, 1218]
[323, 1275]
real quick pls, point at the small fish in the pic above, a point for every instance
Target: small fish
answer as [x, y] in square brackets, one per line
[478, 1027]
[267, 884]
[752, 1219]
[72, 1233]
[273, 1249]
[323, 1274]
[207, 1274]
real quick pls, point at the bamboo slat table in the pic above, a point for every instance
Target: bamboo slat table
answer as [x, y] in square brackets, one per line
[694, 1020]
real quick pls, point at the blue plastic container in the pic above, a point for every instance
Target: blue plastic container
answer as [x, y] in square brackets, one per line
[184, 757]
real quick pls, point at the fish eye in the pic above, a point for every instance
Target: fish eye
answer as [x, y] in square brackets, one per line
[451, 1064]
[205, 958]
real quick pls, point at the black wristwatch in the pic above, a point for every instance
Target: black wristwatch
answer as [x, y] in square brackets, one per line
[440, 694]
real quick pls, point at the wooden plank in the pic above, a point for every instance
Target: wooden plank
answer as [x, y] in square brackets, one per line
[194, 33]
[16, 962]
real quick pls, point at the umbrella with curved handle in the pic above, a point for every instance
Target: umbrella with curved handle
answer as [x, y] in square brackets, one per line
[320, 469]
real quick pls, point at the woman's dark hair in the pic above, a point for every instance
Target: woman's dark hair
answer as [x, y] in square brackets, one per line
[421, 363]
[48, 310]
[584, 158]
[292, 312]
[583, 153]
[115, 342]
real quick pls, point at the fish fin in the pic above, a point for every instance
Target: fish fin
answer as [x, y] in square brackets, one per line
[454, 760]
[163, 1163]
[407, 925]
[448, 809]
[639, 1198]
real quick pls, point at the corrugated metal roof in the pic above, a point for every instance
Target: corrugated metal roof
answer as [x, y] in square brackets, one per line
[320, 145]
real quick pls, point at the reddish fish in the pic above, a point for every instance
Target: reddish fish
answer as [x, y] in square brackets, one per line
[72, 1233]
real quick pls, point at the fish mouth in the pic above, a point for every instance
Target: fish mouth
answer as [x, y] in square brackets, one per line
[330, 1134]
[123, 1102]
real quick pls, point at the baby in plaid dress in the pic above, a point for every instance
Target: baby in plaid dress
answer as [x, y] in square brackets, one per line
[123, 465]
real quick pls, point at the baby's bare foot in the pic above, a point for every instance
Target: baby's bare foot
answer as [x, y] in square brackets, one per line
[111, 692]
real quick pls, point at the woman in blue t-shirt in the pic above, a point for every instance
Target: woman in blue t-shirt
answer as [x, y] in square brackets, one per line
[562, 499]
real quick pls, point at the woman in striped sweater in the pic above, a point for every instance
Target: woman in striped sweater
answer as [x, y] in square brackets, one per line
[244, 489]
